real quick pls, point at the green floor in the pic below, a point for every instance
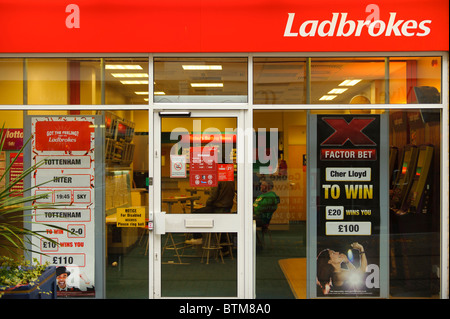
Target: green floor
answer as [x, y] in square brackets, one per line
[129, 279]
[194, 278]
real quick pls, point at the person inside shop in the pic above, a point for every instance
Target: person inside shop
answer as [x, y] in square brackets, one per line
[265, 204]
[331, 274]
[220, 201]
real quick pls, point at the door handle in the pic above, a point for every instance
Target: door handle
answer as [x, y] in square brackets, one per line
[159, 222]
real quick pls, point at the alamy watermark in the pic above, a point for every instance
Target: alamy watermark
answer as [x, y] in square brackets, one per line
[264, 150]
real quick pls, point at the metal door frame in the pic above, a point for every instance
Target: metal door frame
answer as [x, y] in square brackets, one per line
[241, 223]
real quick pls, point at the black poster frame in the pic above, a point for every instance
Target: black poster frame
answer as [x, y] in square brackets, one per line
[348, 205]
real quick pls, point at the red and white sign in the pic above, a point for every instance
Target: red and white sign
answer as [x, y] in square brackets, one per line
[63, 136]
[223, 26]
[64, 146]
[15, 171]
[225, 172]
[13, 139]
[203, 166]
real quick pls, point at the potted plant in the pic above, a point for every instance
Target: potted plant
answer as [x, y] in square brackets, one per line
[19, 277]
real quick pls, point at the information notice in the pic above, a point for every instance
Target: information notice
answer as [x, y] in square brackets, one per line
[203, 167]
[65, 179]
[131, 217]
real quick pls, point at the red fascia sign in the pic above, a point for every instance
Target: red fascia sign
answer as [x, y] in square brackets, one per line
[116, 26]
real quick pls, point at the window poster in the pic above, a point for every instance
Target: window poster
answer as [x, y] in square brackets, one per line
[15, 171]
[177, 166]
[64, 149]
[225, 172]
[347, 162]
[203, 166]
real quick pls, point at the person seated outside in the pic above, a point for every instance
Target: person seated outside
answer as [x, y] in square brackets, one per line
[265, 204]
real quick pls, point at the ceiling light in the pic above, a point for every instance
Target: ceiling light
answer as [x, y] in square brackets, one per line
[327, 97]
[141, 93]
[134, 82]
[207, 85]
[123, 67]
[337, 91]
[159, 93]
[130, 75]
[349, 82]
[202, 67]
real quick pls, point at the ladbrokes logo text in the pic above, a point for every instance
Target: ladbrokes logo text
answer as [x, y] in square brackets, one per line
[341, 24]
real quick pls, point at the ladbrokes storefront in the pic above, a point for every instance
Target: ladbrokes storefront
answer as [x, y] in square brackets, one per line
[232, 150]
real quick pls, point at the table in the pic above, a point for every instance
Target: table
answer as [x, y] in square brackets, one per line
[194, 190]
[179, 199]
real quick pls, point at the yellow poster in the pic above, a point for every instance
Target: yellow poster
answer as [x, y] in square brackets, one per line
[131, 217]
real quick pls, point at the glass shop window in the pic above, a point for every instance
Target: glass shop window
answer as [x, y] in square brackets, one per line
[348, 81]
[279, 81]
[222, 80]
[126, 81]
[60, 81]
[11, 81]
[414, 80]
[415, 197]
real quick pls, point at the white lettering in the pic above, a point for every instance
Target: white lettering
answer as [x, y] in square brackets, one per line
[287, 31]
[392, 25]
[381, 27]
[408, 25]
[304, 27]
[426, 30]
[351, 26]
[332, 25]
[341, 26]
[361, 24]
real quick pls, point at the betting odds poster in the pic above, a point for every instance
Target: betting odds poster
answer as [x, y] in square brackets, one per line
[348, 206]
[63, 147]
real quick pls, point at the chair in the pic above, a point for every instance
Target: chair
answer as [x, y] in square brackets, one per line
[211, 244]
[227, 243]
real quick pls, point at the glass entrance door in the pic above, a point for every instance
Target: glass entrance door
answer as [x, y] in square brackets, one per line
[198, 241]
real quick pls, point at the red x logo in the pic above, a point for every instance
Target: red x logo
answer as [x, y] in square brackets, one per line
[348, 131]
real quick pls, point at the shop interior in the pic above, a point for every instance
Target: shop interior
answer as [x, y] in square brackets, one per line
[414, 137]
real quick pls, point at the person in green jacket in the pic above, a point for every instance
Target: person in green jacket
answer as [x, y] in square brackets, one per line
[265, 204]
